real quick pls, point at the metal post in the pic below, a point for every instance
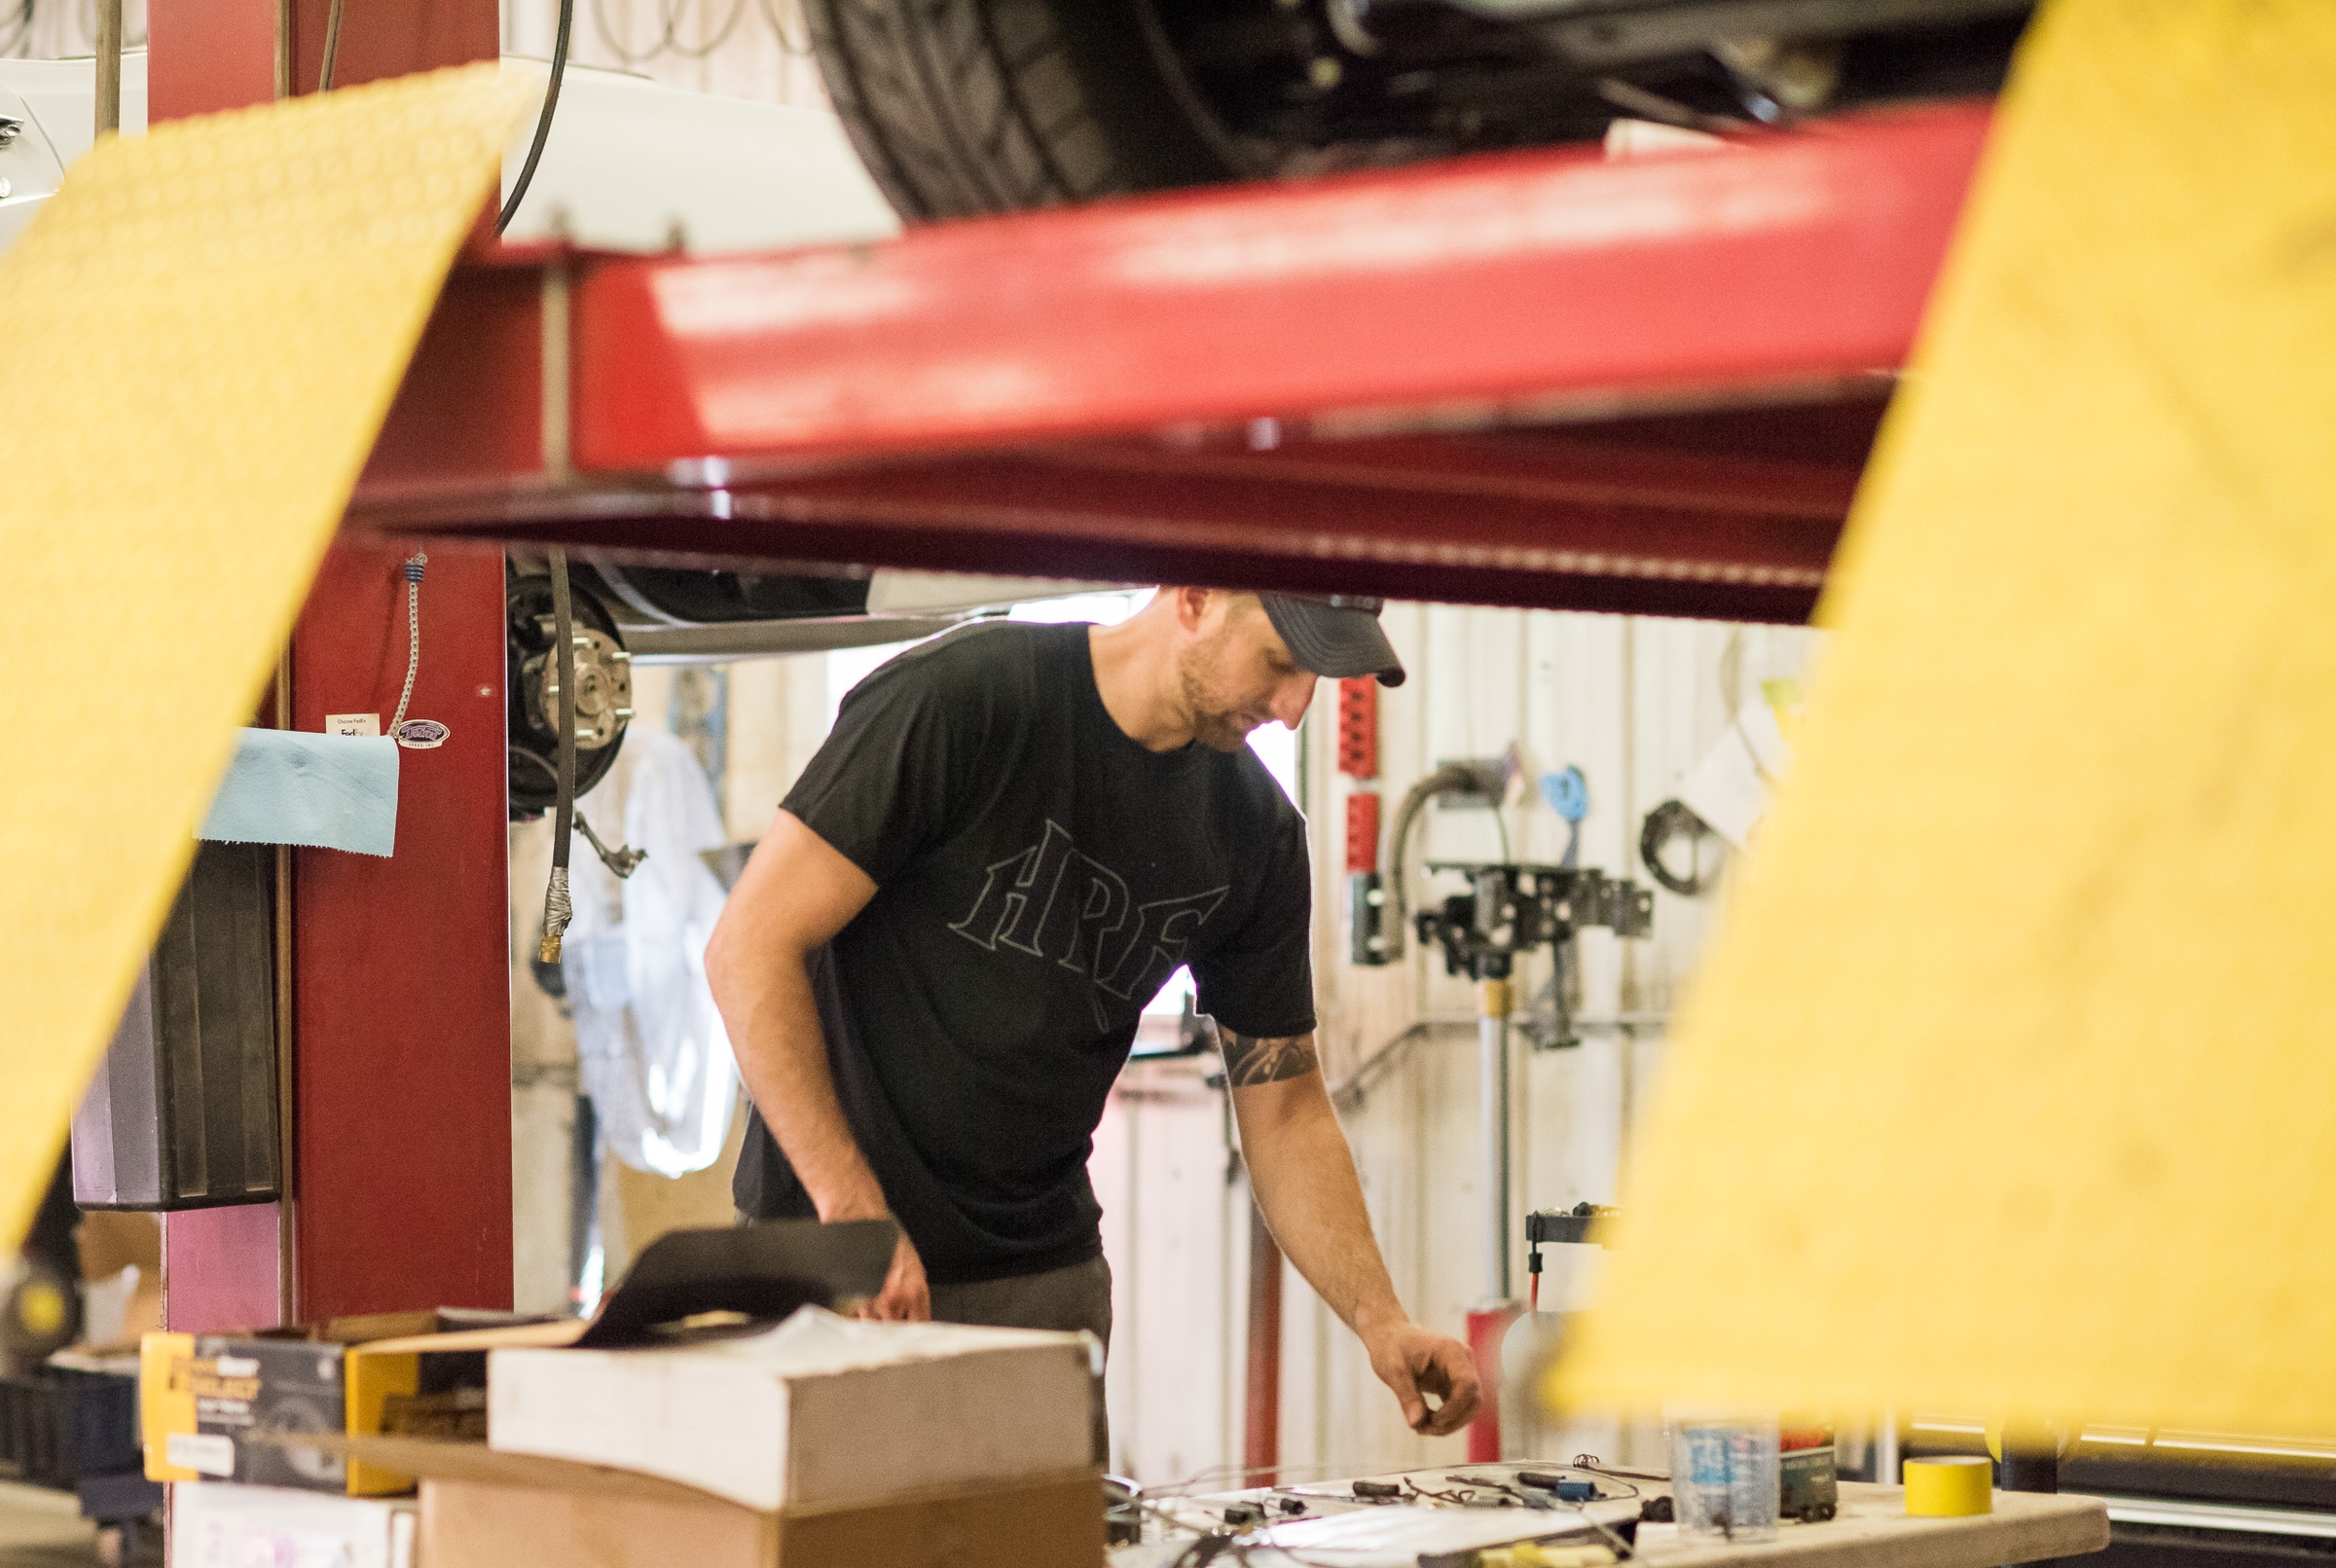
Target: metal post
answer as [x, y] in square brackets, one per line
[109, 67]
[283, 69]
[1497, 997]
[1261, 1435]
[1885, 1449]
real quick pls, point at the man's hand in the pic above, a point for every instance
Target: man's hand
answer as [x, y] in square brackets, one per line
[1304, 1180]
[905, 1297]
[1415, 1363]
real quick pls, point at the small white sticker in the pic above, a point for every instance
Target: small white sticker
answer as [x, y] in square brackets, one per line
[207, 1453]
[352, 723]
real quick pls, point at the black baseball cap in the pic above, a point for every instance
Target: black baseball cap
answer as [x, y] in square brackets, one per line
[1335, 634]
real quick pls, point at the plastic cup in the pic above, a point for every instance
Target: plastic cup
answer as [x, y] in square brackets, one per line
[1724, 1475]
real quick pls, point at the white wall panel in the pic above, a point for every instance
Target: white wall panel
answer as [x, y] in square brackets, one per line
[1635, 704]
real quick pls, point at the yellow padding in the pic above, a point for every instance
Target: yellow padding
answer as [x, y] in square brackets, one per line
[202, 332]
[2006, 1087]
[1951, 1488]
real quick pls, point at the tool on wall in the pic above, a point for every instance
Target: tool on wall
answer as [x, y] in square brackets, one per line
[1566, 1227]
[1665, 825]
[1376, 902]
[1359, 760]
[1509, 911]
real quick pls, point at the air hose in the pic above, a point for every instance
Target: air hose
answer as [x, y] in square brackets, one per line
[1453, 778]
[557, 909]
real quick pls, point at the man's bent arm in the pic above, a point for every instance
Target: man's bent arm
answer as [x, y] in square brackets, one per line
[1303, 1174]
[795, 894]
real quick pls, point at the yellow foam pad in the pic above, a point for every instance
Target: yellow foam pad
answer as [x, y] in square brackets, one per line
[204, 331]
[2006, 1088]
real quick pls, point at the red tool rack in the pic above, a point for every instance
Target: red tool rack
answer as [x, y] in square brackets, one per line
[1541, 378]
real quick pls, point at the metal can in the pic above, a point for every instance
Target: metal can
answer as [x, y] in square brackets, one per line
[1805, 1474]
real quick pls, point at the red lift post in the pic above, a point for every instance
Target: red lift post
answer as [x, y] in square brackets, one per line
[400, 1094]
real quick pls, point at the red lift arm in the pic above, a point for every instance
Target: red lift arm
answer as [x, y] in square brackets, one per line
[1535, 378]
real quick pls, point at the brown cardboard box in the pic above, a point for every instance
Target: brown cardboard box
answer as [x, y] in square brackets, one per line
[481, 1525]
[486, 1510]
[206, 1400]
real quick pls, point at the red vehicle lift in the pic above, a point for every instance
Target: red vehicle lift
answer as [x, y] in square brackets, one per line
[1539, 379]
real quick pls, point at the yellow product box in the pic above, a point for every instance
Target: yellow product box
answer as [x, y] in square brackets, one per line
[211, 1405]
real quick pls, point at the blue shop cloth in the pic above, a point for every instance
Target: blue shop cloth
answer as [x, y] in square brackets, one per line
[324, 791]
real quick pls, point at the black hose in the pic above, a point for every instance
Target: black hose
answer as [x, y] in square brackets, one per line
[543, 133]
[1452, 778]
[557, 908]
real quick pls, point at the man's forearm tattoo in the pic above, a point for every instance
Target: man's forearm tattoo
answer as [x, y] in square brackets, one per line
[1252, 1058]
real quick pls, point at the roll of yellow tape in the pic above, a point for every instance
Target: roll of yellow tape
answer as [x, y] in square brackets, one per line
[1949, 1489]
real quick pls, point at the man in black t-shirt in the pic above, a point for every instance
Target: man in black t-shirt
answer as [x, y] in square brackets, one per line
[932, 967]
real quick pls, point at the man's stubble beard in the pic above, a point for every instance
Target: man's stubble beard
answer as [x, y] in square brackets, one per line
[1214, 724]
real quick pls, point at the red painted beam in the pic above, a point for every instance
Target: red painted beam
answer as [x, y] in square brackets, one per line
[1068, 391]
[1517, 521]
[1530, 285]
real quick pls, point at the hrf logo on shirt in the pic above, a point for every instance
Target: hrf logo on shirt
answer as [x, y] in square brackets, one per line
[1052, 901]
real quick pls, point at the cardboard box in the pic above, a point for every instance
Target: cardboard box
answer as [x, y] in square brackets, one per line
[486, 1510]
[221, 1526]
[222, 1405]
[205, 1399]
[819, 1411]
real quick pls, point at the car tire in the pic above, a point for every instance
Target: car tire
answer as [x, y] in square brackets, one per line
[965, 107]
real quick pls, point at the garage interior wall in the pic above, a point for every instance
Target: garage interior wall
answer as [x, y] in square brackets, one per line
[1633, 703]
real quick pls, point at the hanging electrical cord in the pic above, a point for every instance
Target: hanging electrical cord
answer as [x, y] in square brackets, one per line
[332, 46]
[415, 565]
[421, 733]
[558, 911]
[543, 133]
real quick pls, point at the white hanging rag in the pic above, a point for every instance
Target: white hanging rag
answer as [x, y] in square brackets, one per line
[651, 1046]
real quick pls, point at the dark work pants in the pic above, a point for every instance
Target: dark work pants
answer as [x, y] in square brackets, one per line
[1067, 1299]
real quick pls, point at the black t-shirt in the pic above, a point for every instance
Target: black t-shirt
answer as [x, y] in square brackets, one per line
[1039, 875]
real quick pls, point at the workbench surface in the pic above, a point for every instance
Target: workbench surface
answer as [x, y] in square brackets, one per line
[1870, 1531]
[1873, 1531]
